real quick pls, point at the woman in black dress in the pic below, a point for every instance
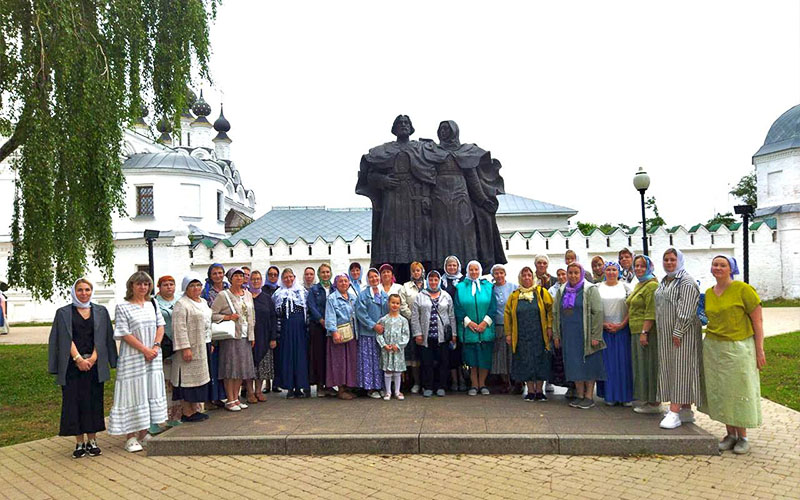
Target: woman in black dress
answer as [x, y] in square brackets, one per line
[81, 349]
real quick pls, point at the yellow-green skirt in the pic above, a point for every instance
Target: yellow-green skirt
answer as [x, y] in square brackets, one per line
[733, 387]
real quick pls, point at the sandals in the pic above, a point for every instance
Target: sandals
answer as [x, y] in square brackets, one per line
[261, 398]
[253, 400]
[233, 406]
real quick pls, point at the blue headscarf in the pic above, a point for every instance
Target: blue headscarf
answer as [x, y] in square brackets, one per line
[355, 283]
[649, 273]
[613, 264]
[209, 284]
[731, 262]
[428, 283]
[273, 285]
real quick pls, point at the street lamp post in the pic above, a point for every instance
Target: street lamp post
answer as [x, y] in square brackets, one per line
[150, 236]
[641, 181]
[745, 211]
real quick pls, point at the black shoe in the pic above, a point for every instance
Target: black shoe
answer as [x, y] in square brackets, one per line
[194, 417]
[92, 449]
[275, 388]
[528, 397]
[203, 416]
[80, 450]
[290, 395]
[539, 396]
[299, 393]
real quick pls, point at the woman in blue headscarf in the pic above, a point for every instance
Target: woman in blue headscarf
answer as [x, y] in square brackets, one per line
[215, 283]
[644, 336]
[618, 386]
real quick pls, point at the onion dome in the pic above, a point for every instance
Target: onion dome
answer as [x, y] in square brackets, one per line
[139, 122]
[201, 107]
[165, 127]
[222, 126]
[783, 134]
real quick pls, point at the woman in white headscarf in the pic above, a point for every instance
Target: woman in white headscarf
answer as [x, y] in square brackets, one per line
[475, 305]
[290, 307]
[81, 349]
[452, 276]
[679, 341]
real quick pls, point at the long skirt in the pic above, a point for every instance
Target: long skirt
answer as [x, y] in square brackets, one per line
[618, 385]
[292, 373]
[370, 375]
[501, 355]
[81, 403]
[531, 359]
[342, 364]
[174, 410]
[265, 369]
[236, 359]
[316, 353]
[216, 390]
[679, 368]
[732, 384]
[645, 368]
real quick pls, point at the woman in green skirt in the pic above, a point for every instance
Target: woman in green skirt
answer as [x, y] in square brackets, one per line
[644, 346]
[733, 353]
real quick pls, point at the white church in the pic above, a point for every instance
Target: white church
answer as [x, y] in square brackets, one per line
[186, 187]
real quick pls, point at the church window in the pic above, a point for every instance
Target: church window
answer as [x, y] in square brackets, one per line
[329, 249]
[290, 250]
[368, 248]
[506, 244]
[547, 244]
[144, 200]
[231, 252]
[251, 252]
[310, 251]
[670, 240]
[587, 242]
[211, 254]
[191, 254]
[566, 244]
[733, 238]
[629, 241]
[348, 249]
[220, 206]
[650, 240]
[270, 251]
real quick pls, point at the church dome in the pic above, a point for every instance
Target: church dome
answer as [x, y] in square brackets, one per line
[222, 124]
[201, 107]
[783, 134]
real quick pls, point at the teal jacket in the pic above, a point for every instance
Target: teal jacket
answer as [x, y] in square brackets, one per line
[478, 307]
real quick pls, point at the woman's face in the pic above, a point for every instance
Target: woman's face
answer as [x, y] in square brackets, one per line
[562, 276]
[308, 276]
[597, 267]
[216, 275]
[416, 273]
[386, 277]
[272, 275]
[356, 272]
[256, 280]
[670, 262]
[342, 285]
[500, 276]
[639, 268]
[625, 260]
[573, 275]
[84, 292]
[373, 279]
[166, 290]
[569, 259]
[451, 266]
[541, 267]
[526, 278]
[612, 273]
[433, 281]
[237, 279]
[325, 273]
[141, 289]
[194, 290]
[288, 279]
[474, 272]
[720, 269]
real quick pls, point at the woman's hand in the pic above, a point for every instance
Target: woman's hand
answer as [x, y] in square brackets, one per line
[418, 340]
[643, 339]
[761, 358]
[378, 328]
[676, 341]
[508, 339]
[149, 354]
[83, 364]
[482, 326]
[388, 347]
[187, 355]
[273, 344]
[252, 344]
[557, 343]
[233, 317]
[337, 337]
[473, 326]
[608, 327]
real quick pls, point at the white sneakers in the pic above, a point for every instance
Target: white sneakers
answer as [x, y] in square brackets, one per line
[132, 445]
[671, 420]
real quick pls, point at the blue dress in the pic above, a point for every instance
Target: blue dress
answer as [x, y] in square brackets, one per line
[292, 366]
[577, 367]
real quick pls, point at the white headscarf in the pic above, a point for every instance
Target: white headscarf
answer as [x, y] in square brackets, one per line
[476, 283]
[681, 263]
[77, 303]
[294, 297]
[187, 280]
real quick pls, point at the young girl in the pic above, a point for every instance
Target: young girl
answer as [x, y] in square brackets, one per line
[393, 340]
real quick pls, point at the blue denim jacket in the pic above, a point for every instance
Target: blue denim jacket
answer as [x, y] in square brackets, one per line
[369, 310]
[317, 297]
[339, 311]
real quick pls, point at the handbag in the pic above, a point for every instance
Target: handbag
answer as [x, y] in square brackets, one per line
[346, 332]
[224, 330]
[167, 348]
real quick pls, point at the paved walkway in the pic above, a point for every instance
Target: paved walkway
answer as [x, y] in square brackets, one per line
[43, 469]
[777, 320]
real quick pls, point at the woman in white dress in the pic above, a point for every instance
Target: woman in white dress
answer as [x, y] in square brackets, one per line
[140, 397]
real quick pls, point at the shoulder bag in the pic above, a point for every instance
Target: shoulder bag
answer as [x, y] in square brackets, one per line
[224, 330]
[166, 342]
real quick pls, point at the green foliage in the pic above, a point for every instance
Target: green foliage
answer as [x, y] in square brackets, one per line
[780, 379]
[745, 190]
[72, 76]
[607, 227]
[656, 220]
[781, 302]
[724, 219]
[586, 227]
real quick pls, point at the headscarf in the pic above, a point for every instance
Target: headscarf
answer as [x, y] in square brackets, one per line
[452, 277]
[421, 283]
[526, 293]
[613, 264]
[233, 271]
[389, 267]
[649, 273]
[602, 275]
[496, 267]
[355, 283]
[626, 274]
[187, 280]
[337, 278]
[731, 262]
[164, 278]
[570, 291]
[77, 303]
[326, 283]
[209, 284]
[681, 262]
[476, 283]
[272, 284]
[295, 296]
[428, 283]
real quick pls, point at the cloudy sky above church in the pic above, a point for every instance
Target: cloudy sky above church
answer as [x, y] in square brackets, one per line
[572, 97]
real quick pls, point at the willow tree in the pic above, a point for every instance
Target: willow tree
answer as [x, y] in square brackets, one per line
[73, 74]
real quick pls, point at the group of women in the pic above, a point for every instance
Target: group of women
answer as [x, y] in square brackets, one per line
[234, 336]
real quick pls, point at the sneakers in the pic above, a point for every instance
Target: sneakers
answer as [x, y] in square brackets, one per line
[473, 391]
[742, 446]
[687, 415]
[528, 397]
[80, 450]
[646, 409]
[611, 403]
[462, 387]
[415, 389]
[586, 403]
[376, 395]
[539, 396]
[575, 402]
[440, 393]
[670, 421]
[92, 449]
[427, 393]
[132, 445]
[727, 443]
[485, 391]
[627, 404]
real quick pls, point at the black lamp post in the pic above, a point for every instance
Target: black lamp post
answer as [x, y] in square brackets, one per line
[641, 181]
[150, 236]
[745, 211]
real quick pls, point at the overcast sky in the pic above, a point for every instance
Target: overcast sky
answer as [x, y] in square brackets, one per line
[572, 97]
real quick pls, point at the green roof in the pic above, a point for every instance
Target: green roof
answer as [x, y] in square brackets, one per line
[653, 229]
[714, 227]
[735, 226]
[695, 228]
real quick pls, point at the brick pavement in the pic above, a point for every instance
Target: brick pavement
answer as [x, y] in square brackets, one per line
[43, 469]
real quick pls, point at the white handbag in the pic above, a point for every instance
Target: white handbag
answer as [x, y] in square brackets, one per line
[224, 330]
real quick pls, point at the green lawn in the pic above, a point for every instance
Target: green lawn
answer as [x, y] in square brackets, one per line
[780, 379]
[781, 302]
[30, 400]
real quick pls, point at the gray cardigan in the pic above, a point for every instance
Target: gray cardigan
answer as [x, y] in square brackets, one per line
[59, 356]
[421, 316]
